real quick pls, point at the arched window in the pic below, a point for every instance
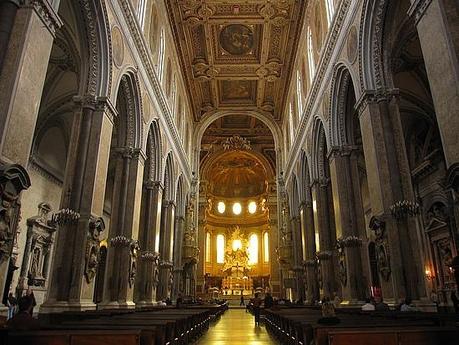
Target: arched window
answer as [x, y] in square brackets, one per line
[312, 65]
[266, 247]
[153, 30]
[174, 91]
[290, 122]
[162, 51]
[299, 93]
[141, 12]
[253, 249]
[330, 8]
[220, 249]
[208, 252]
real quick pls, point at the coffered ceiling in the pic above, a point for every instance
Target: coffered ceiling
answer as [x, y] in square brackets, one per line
[236, 55]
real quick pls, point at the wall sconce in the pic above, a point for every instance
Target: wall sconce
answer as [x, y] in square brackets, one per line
[429, 275]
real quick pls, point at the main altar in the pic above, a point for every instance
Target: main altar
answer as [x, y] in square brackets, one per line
[236, 268]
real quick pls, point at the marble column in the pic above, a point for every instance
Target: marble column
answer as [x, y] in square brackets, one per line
[8, 9]
[309, 252]
[437, 22]
[72, 285]
[348, 218]
[177, 255]
[167, 250]
[123, 250]
[147, 279]
[22, 77]
[322, 224]
[400, 255]
[297, 264]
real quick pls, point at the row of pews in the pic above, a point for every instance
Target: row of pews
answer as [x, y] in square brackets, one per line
[301, 326]
[154, 326]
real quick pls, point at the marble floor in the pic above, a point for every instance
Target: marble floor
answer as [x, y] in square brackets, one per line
[236, 327]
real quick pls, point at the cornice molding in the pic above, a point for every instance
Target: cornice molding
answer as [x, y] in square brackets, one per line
[324, 64]
[47, 14]
[148, 65]
[418, 8]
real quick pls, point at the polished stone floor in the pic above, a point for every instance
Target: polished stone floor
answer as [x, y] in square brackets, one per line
[236, 327]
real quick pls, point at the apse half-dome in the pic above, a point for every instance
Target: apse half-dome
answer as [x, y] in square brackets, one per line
[237, 174]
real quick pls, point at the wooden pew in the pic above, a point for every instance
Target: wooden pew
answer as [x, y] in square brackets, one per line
[300, 326]
[394, 336]
[102, 337]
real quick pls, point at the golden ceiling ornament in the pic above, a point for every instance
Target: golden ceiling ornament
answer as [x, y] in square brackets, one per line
[204, 72]
[267, 11]
[270, 71]
[236, 142]
[205, 107]
[206, 11]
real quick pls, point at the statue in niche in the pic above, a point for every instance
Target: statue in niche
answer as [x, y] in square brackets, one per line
[383, 261]
[319, 276]
[171, 280]
[445, 254]
[155, 276]
[34, 265]
[382, 252]
[134, 249]
[342, 271]
[92, 257]
[6, 233]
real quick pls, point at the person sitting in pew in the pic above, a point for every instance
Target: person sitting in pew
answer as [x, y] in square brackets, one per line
[268, 302]
[23, 320]
[406, 305]
[368, 306]
[328, 313]
[380, 305]
[179, 301]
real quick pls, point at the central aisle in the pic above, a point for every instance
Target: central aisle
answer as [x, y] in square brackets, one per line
[236, 327]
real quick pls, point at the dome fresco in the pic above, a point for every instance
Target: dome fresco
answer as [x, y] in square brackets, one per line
[237, 174]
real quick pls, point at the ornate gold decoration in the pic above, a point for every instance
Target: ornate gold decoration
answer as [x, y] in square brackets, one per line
[236, 260]
[236, 143]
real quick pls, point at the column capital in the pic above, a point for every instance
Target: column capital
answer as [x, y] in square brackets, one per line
[151, 184]
[310, 263]
[306, 204]
[179, 218]
[168, 203]
[342, 151]
[375, 96]
[96, 103]
[417, 9]
[321, 182]
[324, 255]
[47, 14]
[129, 152]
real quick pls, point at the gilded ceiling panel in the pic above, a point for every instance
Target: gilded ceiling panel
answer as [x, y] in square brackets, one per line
[237, 53]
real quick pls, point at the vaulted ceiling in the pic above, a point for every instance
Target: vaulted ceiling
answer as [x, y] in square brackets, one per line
[235, 54]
